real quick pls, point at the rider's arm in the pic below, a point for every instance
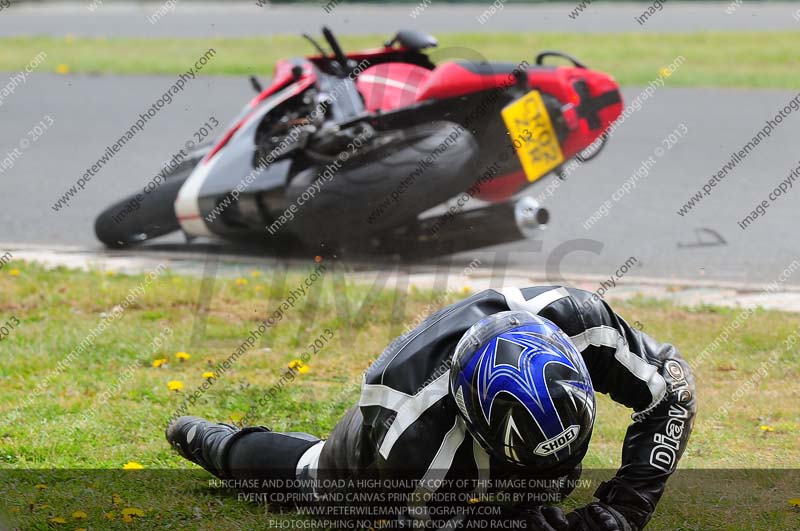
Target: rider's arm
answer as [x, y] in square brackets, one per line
[651, 378]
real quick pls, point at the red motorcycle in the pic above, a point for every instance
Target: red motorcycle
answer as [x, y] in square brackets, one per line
[382, 151]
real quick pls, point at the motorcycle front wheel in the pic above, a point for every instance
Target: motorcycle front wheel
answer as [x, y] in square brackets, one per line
[142, 216]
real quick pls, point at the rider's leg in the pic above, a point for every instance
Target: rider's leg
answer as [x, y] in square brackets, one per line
[228, 452]
[270, 455]
[346, 453]
[258, 453]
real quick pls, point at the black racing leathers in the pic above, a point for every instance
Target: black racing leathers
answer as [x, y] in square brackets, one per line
[408, 422]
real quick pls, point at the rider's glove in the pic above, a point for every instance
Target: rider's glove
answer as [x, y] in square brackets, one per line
[598, 516]
[547, 518]
[637, 505]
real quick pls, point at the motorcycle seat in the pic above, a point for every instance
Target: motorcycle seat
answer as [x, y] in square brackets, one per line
[458, 78]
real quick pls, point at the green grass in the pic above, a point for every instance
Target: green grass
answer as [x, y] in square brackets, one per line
[734, 59]
[119, 402]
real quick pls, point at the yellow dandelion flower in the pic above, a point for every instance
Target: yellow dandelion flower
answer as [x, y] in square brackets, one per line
[111, 273]
[766, 428]
[259, 289]
[473, 501]
[665, 72]
[110, 515]
[63, 68]
[466, 290]
[80, 515]
[127, 518]
[209, 375]
[175, 385]
[131, 465]
[295, 364]
[255, 273]
[132, 511]
[182, 356]
[57, 520]
[116, 499]
[236, 416]
[40, 486]
[240, 281]
[794, 502]
[14, 272]
[304, 369]
[159, 362]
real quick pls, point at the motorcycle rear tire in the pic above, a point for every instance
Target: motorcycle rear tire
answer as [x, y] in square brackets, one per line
[384, 190]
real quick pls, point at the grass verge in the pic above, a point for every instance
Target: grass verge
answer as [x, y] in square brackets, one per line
[107, 407]
[734, 59]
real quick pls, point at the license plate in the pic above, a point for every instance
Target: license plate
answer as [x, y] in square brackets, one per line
[533, 136]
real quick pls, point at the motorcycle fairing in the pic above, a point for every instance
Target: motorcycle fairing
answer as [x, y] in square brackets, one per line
[283, 76]
[230, 165]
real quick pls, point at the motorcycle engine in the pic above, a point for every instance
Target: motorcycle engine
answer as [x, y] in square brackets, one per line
[281, 133]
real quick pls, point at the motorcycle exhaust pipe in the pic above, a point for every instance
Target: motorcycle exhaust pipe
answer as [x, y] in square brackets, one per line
[530, 217]
[481, 227]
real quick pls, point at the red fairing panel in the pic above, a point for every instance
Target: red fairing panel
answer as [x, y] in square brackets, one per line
[502, 187]
[560, 82]
[452, 79]
[390, 86]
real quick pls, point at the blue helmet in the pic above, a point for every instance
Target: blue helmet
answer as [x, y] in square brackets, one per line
[526, 396]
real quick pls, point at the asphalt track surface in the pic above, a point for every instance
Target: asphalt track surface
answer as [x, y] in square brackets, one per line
[89, 112]
[240, 19]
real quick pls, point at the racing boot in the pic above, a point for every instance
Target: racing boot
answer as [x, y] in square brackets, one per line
[204, 443]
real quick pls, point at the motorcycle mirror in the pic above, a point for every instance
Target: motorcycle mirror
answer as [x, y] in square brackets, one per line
[414, 40]
[256, 84]
[297, 72]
